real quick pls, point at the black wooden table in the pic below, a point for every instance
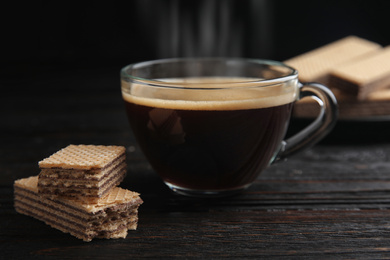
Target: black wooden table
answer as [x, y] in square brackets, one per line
[332, 201]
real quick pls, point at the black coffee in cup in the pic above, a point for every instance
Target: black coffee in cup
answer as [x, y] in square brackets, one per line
[210, 141]
[210, 126]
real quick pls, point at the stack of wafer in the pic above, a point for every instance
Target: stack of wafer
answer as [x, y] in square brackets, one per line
[86, 171]
[76, 192]
[355, 69]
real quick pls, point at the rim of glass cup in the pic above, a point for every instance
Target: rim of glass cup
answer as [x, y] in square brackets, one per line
[292, 75]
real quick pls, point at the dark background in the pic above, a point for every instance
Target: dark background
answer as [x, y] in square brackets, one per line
[44, 38]
[59, 57]
[69, 53]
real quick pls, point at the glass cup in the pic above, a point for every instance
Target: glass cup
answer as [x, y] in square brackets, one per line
[210, 126]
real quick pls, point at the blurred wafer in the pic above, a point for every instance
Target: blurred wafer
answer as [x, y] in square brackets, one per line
[112, 217]
[87, 171]
[363, 77]
[316, 65]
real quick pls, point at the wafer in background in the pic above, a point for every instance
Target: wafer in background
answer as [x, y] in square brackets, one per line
[84, 171]
[364, 76]
[355, 69]
[112, 217]
[316, 65]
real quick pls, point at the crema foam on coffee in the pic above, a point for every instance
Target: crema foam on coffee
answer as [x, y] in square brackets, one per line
[210, 93]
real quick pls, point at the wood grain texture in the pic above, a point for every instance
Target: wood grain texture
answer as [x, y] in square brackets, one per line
[329, 202]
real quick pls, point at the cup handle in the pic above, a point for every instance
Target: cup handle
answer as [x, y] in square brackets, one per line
[318, 129]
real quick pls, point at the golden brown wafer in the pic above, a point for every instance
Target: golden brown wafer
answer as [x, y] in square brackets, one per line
[89, 171]
[82, 157]
[364, 76]
[112, 217]
[316, 65]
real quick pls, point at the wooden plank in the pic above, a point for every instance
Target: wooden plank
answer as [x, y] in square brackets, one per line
[292, 233]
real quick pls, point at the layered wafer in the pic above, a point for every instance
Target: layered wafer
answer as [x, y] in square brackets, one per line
[84, 171]
[364, 76]
[112, 217]
[316, 65]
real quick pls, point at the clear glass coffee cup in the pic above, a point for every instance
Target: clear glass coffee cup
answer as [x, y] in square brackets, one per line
[210, 126]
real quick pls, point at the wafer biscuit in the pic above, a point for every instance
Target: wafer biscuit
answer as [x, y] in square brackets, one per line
[316, 65]
[82, 157]
[112, 217]
[364, 76]
[88, 171]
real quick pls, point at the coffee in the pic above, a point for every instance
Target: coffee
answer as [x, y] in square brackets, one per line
[209, 139]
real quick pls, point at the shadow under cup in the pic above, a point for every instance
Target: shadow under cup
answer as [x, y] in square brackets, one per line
[209, 127]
